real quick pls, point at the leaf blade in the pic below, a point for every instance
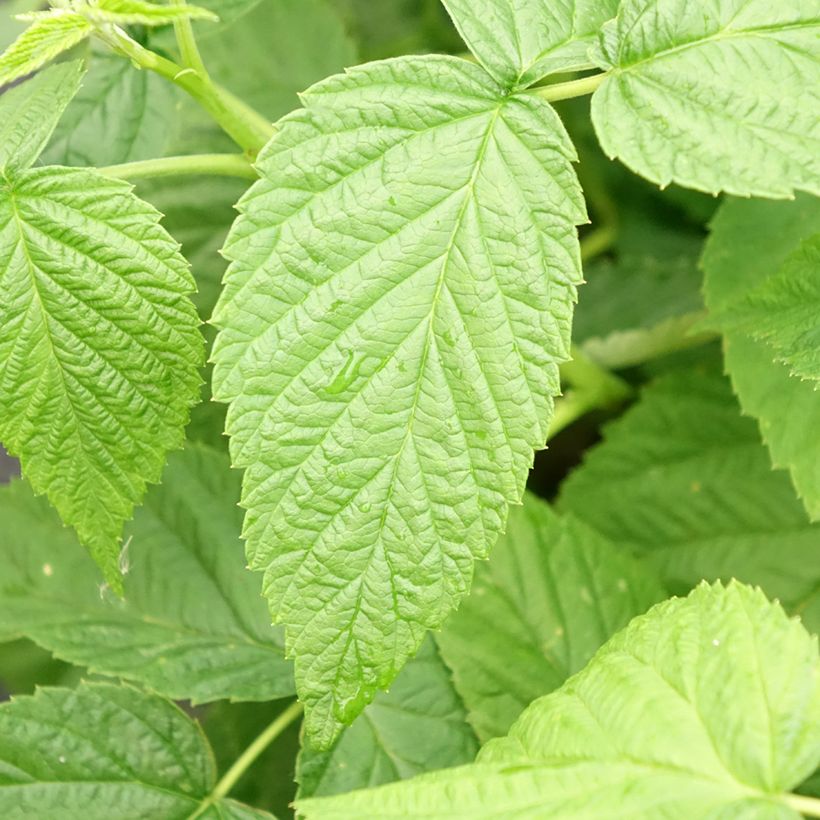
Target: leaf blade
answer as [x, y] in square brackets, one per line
[99, 361]
[520, 42]
[681, 103]
[384, 393]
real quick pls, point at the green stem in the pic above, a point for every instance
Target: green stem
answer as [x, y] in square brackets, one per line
[247, 758]
[568, 90]
[246, 127]
[186, 41]
[591, 388]
[223, 165]
[598, 241]
[807, 806]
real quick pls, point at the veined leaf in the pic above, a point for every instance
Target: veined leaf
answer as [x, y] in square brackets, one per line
[784, 311]
[191, 624]
[46, 38]
[684, 480]
[418, 726]
[102, 751]
[100, 348]
[750, 241]
[398, 302]
[521, 41]
[133, 109]
[552, 593]
[704, 707]
[29, 113]
[717, 96]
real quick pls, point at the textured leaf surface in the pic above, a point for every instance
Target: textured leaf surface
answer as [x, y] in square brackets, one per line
[718, 96]
[784, 311]
[521, 41]
[552, 593]
[29, 113]
[418, 726]
[137, 12]
[192, 624]
[683, 479]
[99, 751]
[705, 707]
[45, 39]
[750, 241]
[131, 110]
[400, 296]
[100, 348]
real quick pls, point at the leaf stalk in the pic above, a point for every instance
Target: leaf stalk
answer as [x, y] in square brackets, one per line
[568, 90]
[245, 126]
[225, 165]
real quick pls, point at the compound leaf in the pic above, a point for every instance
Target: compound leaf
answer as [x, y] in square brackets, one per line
[399, 298]
[784, 311]
[418, 726]
[100, 348]
[46, 38]
[132, 108]
[191, 624]
[29, 112]
[521, 41]
[717, 96]
[552, 593]
[749, 243]
[102, 751]
[707, 706]
[684, 480]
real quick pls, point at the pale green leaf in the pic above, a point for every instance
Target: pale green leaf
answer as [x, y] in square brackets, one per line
[552, 593]
[720, 96]
[120, 115]
[191, 625]
[45, 39]
[399, 299]
[126, 13]
[100, 752]
[684, 480]
[29, 113]
[521, 41]
[705, 707]
[10, 27]
[750, 241]
[418, 726]
[100, 349]
[784, 311]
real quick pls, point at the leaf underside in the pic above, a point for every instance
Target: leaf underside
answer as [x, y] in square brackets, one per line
[399, 298]
[100, 349]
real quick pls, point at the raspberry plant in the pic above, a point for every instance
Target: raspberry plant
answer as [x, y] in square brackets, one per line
[391, 339]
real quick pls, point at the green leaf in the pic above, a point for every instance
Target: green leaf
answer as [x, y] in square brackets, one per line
[132, 109]
[399, 298]
[551, 594]
[127, 13]
[418, 726]
[717, 96]
[100, 349]
[29, 113]
[192, 624]
[45, 39]
[704, 707]
[684, 480]
[784, 311]
[101, 751]
[10, 27]
[750, 242]
[520, 41]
